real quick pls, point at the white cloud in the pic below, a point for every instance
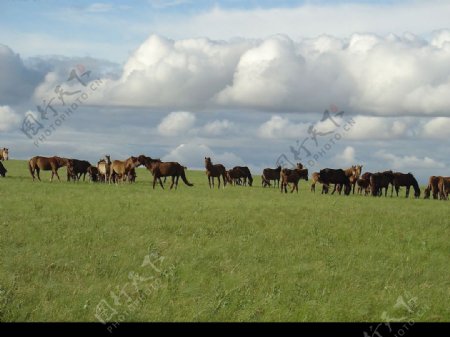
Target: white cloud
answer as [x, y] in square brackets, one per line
[406, 162]
[347, 157]
[372, 128]
[219, 128]
[278, 127]
[193, 156]
[8, 118]
[176, 123]
[437, 128]
[99, 7]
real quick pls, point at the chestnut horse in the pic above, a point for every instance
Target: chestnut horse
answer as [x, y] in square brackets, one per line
[444, 187]
[292, 176]
[38, 163]
[168, 169]
[213, 171]
[315, 177]
[408, 180]
[122, 168]
[432, 187]
[4, 154]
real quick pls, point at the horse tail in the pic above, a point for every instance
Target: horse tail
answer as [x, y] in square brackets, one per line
[183, 177]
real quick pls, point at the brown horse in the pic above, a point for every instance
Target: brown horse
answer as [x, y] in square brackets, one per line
[444, 187]
[292, 176]
[2, 170]
[4, 154]
[168, 169]
[364, 183]
[77, 168]
[38, 163]
[353, 174]
[315, 177]
[381, 180]
[103, 167]
[408, 180]
[121, 168]
[336, 177]
[432, 187]
[265, 182]
[236, 173]
[93, 174]
[271, 174]
[213, 171]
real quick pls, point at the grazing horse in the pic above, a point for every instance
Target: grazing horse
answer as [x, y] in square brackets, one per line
[103, 167]
[381, 180]
[122, 168]
[4, 154]
[247, 174]
[216, 170]
[315, 177]
[444, 187]
[408, 180]
[2, 170]
[76, 168]
[292, 176]
[271, 174]
[432, 187]
[93, 173]
[168, 169]
[337, 177]
[38, 163]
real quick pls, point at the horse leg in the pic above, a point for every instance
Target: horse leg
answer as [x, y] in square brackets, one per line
[313, 187]
[334, 189]
[218, 178]
[407, 191]
[173, 181]
[160, 181]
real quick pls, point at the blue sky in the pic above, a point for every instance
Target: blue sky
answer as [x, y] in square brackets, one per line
[187, 79]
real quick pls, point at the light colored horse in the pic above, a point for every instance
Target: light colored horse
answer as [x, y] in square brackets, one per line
[4, 154]
[103, 167]
[122, 168]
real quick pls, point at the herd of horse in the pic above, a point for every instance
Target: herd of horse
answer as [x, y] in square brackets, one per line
[347, 180]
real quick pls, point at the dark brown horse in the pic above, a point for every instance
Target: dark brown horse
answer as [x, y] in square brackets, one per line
[353, 174]
[271, 174]
[213, 171]
[2, 170]
[315, 177]
[119, 169]
[407, 180]
[292, 176]
[237, 173]
[93, 174]
[432, 187]
[4, 154]
[337, 177]
[364, 183]
[77, 168]
[381, 180]
[38, 163]
[168, 169]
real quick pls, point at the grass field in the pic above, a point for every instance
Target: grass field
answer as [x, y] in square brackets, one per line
[235, 254]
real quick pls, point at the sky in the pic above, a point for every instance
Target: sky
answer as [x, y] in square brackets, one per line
[256, 83]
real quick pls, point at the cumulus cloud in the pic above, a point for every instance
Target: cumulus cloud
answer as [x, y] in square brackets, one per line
[8, 118]
[372, 128]
[347, 157]
[176, 123]
[193, 155]
[278, 127]
[406, 162]
[437, 128]
[219, 128]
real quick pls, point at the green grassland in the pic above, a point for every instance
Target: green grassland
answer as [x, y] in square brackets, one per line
[234, 254]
